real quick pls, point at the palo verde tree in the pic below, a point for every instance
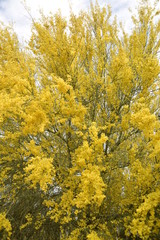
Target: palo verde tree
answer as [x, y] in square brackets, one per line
[79, 132]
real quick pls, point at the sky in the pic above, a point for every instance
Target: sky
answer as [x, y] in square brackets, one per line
[13, 11]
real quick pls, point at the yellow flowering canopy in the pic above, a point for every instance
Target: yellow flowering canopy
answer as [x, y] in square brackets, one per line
[79, 128]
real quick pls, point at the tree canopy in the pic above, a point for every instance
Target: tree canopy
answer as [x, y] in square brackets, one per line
[79, 128]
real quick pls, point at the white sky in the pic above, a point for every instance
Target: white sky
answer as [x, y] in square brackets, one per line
[13, 11]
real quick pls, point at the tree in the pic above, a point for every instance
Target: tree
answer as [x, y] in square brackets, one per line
[79, 144]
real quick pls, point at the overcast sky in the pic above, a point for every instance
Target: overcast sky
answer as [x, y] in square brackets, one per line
[13, 11]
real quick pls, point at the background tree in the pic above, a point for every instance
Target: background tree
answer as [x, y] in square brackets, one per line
[79, 145]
